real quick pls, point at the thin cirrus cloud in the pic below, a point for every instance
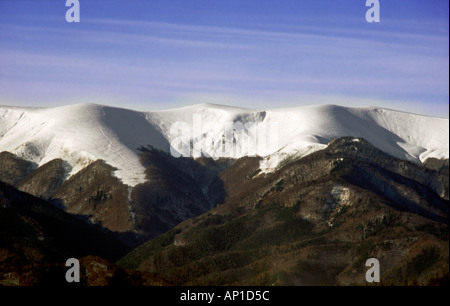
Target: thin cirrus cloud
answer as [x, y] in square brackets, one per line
[149, 61]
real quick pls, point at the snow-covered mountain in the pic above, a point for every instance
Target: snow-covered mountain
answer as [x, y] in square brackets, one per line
[82, 133]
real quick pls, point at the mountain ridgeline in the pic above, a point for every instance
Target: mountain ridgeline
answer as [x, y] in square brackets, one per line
[176, 189]
[344, 185]
[47, 218]
[314, 221]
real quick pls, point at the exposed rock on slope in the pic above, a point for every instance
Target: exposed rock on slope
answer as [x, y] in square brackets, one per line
[314, 221]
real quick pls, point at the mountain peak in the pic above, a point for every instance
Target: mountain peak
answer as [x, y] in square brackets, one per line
[85, 132]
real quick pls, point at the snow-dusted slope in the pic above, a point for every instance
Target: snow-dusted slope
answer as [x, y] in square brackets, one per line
[403, 135]
[83, 133]
[80, 134]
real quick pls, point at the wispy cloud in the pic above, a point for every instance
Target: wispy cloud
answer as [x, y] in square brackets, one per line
[149, 60]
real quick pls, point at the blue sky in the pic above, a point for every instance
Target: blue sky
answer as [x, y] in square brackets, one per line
[159, 54]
